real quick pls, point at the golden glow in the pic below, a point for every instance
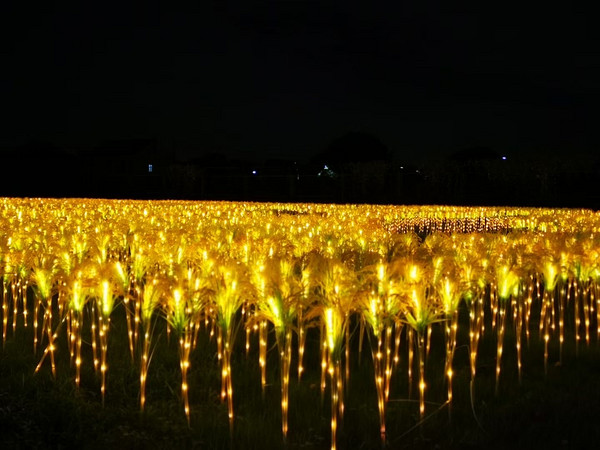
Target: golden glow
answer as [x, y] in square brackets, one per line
[200, 264]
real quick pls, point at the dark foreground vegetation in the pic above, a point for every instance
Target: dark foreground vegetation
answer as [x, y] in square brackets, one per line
[557, 410]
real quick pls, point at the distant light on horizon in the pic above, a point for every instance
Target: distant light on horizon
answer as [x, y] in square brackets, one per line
[504, 158]
[327, 172]
[254, 172]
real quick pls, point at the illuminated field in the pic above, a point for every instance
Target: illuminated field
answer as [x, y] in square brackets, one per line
[263, 274]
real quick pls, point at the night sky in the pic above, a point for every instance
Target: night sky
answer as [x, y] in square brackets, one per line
[284, 78]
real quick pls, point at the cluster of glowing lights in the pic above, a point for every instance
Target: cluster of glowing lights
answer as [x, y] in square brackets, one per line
[277, 269]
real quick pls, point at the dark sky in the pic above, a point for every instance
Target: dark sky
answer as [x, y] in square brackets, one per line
[284, 78]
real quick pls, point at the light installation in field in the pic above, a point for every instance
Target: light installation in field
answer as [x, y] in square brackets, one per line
[278, 270]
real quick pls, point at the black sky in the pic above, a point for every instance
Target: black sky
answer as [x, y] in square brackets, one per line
[284, 78]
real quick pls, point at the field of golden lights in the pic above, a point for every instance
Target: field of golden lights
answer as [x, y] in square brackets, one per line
[391, 285]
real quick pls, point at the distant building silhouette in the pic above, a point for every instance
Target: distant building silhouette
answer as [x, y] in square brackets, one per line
[133, 167]
[356, 168]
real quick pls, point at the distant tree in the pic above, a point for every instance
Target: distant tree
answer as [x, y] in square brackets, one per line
[47, 169]
[357, 164]
[353, 147]
[477, 153]
[182, 180]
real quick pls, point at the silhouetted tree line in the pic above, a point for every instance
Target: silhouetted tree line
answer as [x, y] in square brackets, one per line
[356, 168]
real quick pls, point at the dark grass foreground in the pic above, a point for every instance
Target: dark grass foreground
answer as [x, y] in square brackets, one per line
[557, 410]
